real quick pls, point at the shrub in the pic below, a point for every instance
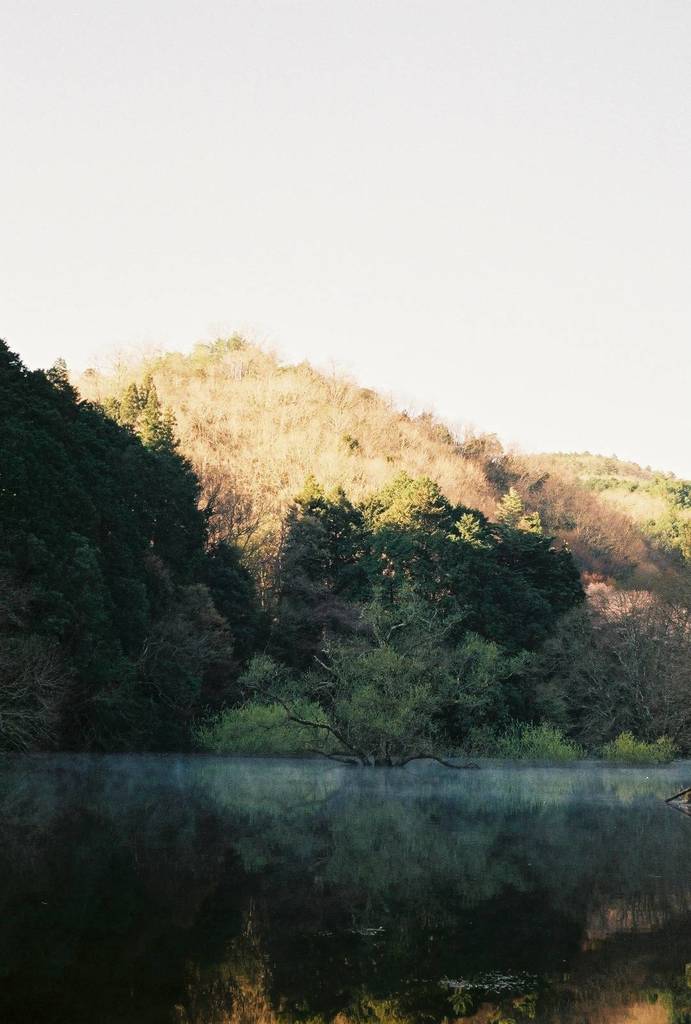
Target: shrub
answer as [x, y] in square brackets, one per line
[542, 742]
[258, 728]
[628, 749]
[481, 741]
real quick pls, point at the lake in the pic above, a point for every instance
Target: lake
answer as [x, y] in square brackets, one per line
[194, 890]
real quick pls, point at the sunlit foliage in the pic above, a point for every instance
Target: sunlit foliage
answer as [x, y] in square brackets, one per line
[254, 428]
[629, 750]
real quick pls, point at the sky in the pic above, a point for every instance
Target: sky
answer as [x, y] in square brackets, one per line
[480, 207]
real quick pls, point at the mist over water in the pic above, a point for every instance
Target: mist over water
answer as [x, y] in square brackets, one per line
[229, 891]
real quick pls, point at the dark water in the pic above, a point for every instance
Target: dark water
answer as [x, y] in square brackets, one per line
[172, 889]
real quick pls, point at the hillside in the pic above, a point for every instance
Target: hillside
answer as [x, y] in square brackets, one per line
[659, 503]
[418, 593]
[115, 610]
[255, 429]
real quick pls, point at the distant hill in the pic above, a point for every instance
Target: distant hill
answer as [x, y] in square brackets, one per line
[659, 503]
[255, 428]
[588, 466]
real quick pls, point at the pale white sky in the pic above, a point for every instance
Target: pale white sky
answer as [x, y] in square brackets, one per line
[484, 204]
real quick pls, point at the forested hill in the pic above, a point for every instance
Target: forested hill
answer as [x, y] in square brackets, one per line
[219, 551]
[659, 503]
[114, 606]
[255, 429]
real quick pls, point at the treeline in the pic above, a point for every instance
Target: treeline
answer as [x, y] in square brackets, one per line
[407, 627]
[255, 428]
[115, 609]
[145, 604]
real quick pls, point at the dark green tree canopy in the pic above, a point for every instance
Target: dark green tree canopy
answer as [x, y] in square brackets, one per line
[129, 622]
[101, 539]
[504, 581]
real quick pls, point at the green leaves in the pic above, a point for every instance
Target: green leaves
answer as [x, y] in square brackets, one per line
[103, 544]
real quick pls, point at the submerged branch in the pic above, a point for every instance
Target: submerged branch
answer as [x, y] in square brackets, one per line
[677, 795]
[439, 760]
[352, 762]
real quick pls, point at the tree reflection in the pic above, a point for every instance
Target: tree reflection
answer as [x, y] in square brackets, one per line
[201, 890]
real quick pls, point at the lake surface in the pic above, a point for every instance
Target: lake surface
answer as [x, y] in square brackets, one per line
[192, 890]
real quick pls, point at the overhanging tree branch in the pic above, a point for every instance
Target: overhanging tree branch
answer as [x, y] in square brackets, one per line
[440, 760]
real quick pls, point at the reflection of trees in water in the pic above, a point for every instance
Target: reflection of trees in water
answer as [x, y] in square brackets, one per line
[245, 891]
[627, 979]
[235, 991]
[625, 984]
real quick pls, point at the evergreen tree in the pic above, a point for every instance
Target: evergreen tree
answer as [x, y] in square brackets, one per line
[322, 570]
[140, 409]
[103, 562]
[59, 377]
[505, 581]
[130, 407]
[510, 508]
[150, 426]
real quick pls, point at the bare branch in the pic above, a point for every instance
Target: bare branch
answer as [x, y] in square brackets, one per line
[440, 760]
[292, 717]
[353, 762]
